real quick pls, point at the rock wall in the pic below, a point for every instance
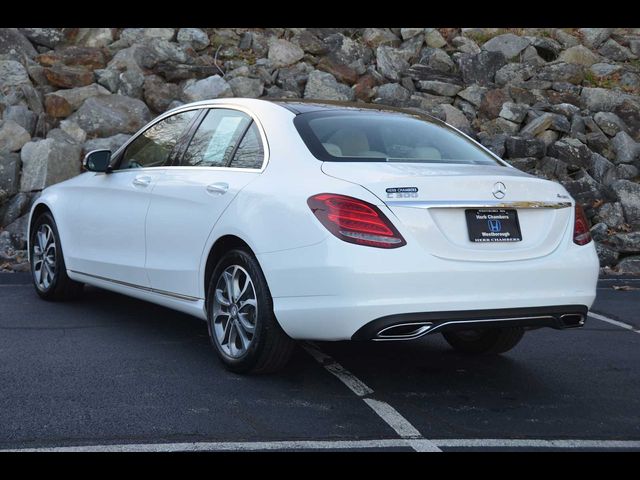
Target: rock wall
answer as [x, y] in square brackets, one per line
[562, 104]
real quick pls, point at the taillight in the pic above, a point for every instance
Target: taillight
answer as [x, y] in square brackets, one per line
[355, 221]
[581, 233]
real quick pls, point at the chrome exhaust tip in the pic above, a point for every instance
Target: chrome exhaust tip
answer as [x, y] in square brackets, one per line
[570, 320]
[404, 331]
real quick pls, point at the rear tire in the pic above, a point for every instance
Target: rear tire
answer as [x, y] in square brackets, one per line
[48, 270]
[488, 342]
[242, 326]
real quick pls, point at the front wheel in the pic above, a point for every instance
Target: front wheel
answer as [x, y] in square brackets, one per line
[48, 269]
[242, 325]
[484, 341]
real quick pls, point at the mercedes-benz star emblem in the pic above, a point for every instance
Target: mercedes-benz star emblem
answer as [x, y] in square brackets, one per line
[499, 190]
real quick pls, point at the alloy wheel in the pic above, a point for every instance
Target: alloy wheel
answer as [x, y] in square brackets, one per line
[44, 257]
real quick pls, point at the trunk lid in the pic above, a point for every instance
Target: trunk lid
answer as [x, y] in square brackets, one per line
[430, 201]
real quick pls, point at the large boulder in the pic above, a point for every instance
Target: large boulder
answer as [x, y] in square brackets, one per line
[627, 150]
[207, 88]
[391, 62]
[246, 87]
[324, 86]
[579, 55]
[284, 53]
[46, 162]
[628, 194]
[481, 68]
[9, 173]
[107, 115]
[14, 42]
[64, 102]
[12, 136]
[12, 74]
[509, 45]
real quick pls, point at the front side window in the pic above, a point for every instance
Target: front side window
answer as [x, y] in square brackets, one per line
[250, 153]
[153, 147]
[362, 136]
[214, 142]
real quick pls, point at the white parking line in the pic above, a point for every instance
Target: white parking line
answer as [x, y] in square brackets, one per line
[417, 444]
[617, 323]
[386, 412]
[536, 443]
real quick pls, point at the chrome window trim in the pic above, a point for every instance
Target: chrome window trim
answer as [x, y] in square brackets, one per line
[185, 108]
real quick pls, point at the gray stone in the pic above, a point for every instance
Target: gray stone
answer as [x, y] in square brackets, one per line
[552, 169]
[508, 44]
[107, 115]
[433, 38]
[495, 143]
[64, 102]
[594, 37]
[323, 86]
[161, 33]
[599, 232]
[407, 33]
[392, 94]
[9, 173]
[566, 39]
[626, 148]
[391, 62]
[195, 37]
[455, 118]
[548, 137]
[48, 37]
[607, 256]
[17, 231]
[514, 72]
[94, 37]
[108, 78]
[130, 84]
[158, 50]
[614, 51]
[524, 164]
[482, 67]
[562, 72]
[246, 87]
[571, 151]
[473, 94]
[545, 121]
[628, 194]
[465, 45]
[208, 88]
[15, 43]
[159, 94]
[610, 123]
[565, 109]
[22, 116]
[519, 147]
[500, 125]
[634, 46]
[109, 143]
[294, 78]
[12, 136]
[604, 69]
[12, 74]
[17, 206]
[529, 56]
[600, 168]
[602, 99]
[514, 111]
[284, 53]
[625, 242]
[599, 142]
[436, 60]
[437, 87]
[547, 47]
[374, 37]
[629, 265]
[585, 189]
[308, 42]
[73, 130]
[47, 162]
[611, 214]
[579, 55]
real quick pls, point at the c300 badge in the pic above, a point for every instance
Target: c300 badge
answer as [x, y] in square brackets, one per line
[402, 192]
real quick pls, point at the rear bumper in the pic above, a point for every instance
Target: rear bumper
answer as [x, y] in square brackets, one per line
[331, 290]
[410, 326]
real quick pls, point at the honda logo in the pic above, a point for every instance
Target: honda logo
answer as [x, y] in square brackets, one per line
[495, 226]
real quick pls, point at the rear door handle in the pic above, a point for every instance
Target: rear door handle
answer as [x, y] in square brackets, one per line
[219, 188]
[142, 181]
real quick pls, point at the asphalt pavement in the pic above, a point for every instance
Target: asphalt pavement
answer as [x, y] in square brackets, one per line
[109, 372]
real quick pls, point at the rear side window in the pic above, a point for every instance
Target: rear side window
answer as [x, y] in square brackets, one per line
[250, 153]
[214, 142]
[359, 136]
[153, 147]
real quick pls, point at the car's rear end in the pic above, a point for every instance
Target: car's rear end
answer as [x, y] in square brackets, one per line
[441, 239]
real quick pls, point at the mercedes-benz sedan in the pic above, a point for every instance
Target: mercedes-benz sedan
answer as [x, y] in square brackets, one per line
[283, 220]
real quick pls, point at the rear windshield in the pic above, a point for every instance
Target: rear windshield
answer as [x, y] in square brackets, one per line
[345, 136]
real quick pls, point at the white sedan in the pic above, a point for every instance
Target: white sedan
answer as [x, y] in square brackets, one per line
[282, 220]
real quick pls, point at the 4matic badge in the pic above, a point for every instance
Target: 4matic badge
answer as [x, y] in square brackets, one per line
[402, 192]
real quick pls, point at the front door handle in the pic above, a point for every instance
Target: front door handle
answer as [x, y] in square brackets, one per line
[142, 181]
[219, 188]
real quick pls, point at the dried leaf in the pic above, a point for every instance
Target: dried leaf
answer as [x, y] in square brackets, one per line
[624, 288]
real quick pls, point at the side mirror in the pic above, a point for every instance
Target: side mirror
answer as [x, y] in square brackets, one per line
[98, 161]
